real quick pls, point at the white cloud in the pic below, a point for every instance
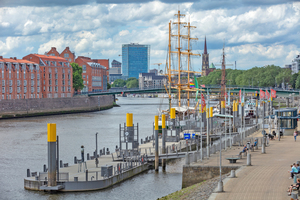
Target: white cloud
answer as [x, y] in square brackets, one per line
[99, 30]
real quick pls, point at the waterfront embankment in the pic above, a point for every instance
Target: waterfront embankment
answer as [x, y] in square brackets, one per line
[16, 108]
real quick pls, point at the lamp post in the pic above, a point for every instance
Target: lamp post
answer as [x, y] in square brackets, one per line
[96, 154]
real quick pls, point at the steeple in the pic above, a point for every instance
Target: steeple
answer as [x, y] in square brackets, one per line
[205, 47]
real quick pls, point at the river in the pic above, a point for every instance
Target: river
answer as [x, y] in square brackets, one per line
[23, 144]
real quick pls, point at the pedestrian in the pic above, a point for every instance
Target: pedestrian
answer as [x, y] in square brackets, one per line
[82, 153]
[293, 171]
[295, 135]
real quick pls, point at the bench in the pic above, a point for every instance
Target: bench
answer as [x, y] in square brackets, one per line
[232, 160]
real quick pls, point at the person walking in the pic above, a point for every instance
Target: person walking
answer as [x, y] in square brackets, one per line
[295, 135]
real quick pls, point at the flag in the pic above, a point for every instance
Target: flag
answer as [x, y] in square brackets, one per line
[261, 94]
[202, 102]
[202, 85]
[240, 94]
[273, 93]
[243, 98]
[228, 99]
[196, 83]
[268, 94]
[192, 85]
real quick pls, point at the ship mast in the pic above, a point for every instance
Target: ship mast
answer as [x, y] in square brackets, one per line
[180, 86]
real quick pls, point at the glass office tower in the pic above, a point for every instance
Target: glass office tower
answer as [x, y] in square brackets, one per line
[135, 59]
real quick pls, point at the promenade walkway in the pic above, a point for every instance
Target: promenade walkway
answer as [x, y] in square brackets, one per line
[267, 178]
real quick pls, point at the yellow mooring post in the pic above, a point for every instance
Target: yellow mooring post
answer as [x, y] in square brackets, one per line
[211, 119]
[51, 155]
[163, 126]
[173, 117]
[156, 143]
[223, 107]
[129, 133]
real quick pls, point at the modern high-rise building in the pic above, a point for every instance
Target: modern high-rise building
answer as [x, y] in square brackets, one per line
[135, 59]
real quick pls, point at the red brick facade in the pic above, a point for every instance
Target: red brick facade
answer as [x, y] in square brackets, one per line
[19, 79]
[56, 75]
[93, 74]
[105, 63]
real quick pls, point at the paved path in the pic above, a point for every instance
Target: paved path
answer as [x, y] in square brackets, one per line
[267, 178]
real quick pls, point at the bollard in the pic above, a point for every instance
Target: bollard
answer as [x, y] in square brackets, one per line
[187, 160]
[232, 174]
[263, 150]
[44, 168]
[51, 133]
[142, 141]
[101, 152]
[86, 175]
[195, 156]
[248, 159]
[28, 172]
[61, 164]
[220, 186]
[75, 160]
[88, 156]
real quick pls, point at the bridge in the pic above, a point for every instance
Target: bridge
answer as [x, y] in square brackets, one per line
[211, 88]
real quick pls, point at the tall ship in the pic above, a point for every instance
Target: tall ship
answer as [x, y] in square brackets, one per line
[179, 70]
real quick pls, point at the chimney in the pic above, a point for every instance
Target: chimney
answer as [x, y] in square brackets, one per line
[53, 48]
[11, 58]
[15, 58]
[1, 57]
[67, 48]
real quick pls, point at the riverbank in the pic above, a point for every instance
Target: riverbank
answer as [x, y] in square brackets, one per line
[20, 108]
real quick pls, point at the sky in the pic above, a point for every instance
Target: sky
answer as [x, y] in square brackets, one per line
[255, 32]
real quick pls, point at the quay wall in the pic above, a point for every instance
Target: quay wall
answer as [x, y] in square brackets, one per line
[15, 108]
[195, 174]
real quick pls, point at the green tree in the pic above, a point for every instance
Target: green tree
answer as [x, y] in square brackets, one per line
[77, 77]
[285, 75]
[294, 79]
[119, 83]
[132, 83]
[297, 85]
[108, 86]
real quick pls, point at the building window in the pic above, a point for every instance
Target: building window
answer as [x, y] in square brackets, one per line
[38, 89]
[52, 54]
[63, 82]
[69, 59]
[55, 70]
[32, 76]
[10, 82]
[9, 96]
[32, 83]
[3, 82]
[38, 76]
[44, 88]
[56, 89]
[25, 82]
[9, 74]
[10, 89]
[32, 89]
[63, 76]
[24, 74]
[38, 83]
[56, 82]
[25, 89]
[50, 89]
[38, 96]
[83, 68]
[18, 89]
[18, 97]
[69, 82]
[3, 89]
[2, 96]
[56, 76]
[50, 75]
[50, 82]
[66, 55]
[83, 76]
[68, 76]
[17, 74]
[69, 89]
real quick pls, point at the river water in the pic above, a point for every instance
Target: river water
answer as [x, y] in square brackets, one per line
[23, 144]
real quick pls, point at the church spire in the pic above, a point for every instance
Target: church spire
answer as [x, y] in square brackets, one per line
[205, 47]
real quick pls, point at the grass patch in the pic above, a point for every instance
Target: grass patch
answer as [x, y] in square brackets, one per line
[181, 193]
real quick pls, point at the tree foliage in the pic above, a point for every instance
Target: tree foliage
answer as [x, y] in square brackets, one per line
[108, 86]
[129, 83]
[77, 77]
[267, 76]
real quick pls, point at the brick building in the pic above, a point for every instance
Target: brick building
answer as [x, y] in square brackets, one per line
[19, 79]
[105, 63]
[66, 53]
[55, 74]
[94, 74]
